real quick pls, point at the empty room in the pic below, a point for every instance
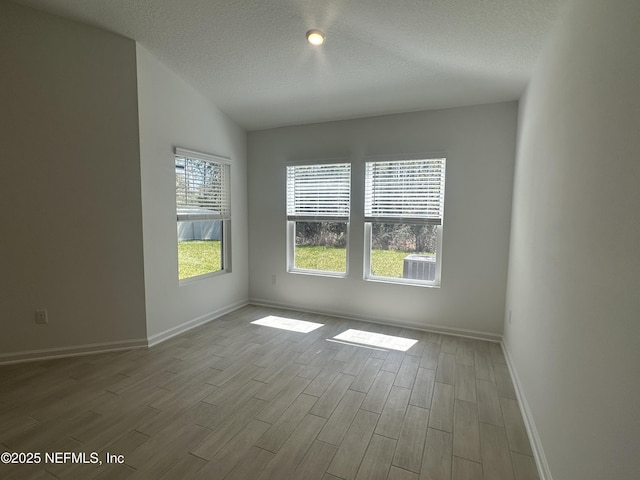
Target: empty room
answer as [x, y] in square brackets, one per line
[402, 244]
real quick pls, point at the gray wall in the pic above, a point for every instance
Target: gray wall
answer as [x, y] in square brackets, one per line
[574, 272]
[69, 184]
[479, 143]
[173, 114]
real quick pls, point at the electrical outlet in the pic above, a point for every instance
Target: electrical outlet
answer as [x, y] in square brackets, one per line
[274, 278]
[509, 317]
[42, 316]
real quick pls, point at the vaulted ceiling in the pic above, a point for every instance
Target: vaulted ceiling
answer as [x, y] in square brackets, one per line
[251, 58]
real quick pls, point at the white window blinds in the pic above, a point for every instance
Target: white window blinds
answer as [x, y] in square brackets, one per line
[202, 187]
[318, 192]
[405, 191]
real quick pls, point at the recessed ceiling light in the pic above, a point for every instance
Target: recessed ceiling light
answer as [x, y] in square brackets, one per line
[315, 37]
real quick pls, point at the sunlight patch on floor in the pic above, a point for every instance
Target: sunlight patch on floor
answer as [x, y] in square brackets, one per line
[376, 340]
[291, 324]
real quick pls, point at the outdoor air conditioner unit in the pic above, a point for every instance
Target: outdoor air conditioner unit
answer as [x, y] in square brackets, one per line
[419, 267]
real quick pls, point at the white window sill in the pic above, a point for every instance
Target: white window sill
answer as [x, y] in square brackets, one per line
[318, 273]
[198, 278]
[402, 281]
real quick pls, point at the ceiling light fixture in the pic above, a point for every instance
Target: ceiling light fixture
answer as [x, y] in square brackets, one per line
[315, 37]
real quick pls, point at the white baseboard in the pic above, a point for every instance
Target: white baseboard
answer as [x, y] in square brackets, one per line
[536, 445]
[196, 322]
[73, 351]
[95, 348]
[458, 332]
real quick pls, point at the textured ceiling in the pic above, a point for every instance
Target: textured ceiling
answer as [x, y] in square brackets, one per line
[381, 56]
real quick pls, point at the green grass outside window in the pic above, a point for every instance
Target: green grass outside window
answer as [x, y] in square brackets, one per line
[198, 257]
[385, 263]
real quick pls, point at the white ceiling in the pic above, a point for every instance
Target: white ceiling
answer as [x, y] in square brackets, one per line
[251, 58]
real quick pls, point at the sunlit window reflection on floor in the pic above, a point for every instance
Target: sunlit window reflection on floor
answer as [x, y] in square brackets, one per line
[291, 324]
[376, 340]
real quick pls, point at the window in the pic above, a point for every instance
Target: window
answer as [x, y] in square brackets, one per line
[404, 206]
[203, 208]
[318, 199]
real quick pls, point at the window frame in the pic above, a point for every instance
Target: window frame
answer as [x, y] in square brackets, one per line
[224, 215]
[292, 218]
[369, 220]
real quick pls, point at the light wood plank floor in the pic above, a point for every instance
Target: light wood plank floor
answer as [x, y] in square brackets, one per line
[234, 400]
